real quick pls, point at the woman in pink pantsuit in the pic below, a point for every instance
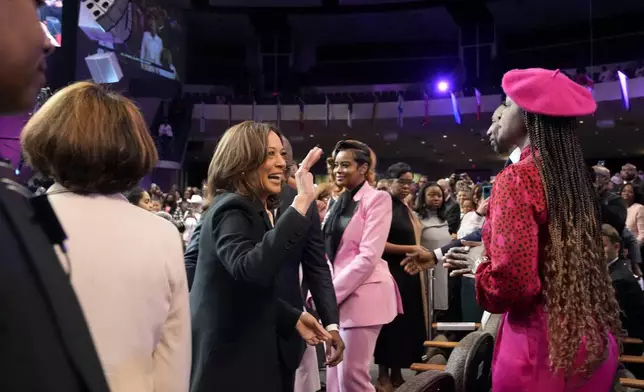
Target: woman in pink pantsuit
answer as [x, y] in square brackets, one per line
[355, 231]
[545, 268]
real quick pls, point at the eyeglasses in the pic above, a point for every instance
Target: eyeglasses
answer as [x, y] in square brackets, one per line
[404, 181]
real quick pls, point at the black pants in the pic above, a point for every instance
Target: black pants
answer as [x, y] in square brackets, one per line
[288, 378]
[470, 309]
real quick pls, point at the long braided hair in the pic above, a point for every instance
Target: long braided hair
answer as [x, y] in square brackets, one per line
[580, 301]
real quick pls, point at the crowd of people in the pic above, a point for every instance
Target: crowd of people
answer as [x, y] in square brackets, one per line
[97, 293]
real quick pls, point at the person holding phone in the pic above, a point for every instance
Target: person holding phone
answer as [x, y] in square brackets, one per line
[473, 220]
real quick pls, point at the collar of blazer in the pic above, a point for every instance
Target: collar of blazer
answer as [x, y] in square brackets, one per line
[234, 201]
[365, 189]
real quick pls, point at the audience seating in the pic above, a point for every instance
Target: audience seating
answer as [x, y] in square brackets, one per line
[491, 327]
[430, 381]
[632, 383]
[470, 363]
[475, 350]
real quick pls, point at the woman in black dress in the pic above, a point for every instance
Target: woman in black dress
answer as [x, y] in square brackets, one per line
[236, 314]
[400, 342]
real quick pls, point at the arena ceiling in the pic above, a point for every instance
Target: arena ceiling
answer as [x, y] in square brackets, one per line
[358, 21]
[331, 22]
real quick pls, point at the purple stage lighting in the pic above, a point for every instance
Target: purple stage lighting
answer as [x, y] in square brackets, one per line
[442, 86]
[623, 84]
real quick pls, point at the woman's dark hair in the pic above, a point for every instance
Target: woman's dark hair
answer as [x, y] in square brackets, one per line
[579, 297]
[359, 150]
[398, 169]
[134, 195]
[477, 191]
[240, 152]
[638, 197]
[170, 201]
[421, 202]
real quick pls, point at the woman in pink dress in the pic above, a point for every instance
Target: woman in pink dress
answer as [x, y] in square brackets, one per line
[545, 269]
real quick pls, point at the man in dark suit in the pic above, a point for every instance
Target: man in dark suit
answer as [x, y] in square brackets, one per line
[613, 208]
[45, 340]
[316, 275]
[629, 175]
[629, 297]
[613, 212]
[415, 263]
[191, 253]
[452, 209]
[628, 291]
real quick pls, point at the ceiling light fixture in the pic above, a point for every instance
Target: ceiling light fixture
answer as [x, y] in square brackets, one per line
[444, 136]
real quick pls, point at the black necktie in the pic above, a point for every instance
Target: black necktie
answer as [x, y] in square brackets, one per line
[507, 163]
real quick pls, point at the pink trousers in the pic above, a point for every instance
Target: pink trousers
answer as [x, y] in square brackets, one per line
[521, 360]
[307, 376]
[352, 374]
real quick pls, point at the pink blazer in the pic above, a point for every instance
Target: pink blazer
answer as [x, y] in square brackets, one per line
[367, 293]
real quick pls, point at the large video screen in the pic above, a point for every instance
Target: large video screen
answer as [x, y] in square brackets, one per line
[50, 14]
[137, 34]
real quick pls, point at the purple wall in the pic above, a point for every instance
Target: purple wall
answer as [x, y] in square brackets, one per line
[164, 178]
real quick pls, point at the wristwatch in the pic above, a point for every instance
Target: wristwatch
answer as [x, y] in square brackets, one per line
[478, 262]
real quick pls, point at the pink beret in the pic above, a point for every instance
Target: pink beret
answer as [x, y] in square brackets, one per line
[543, 91]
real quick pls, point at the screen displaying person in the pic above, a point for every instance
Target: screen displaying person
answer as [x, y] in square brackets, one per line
[151, 46]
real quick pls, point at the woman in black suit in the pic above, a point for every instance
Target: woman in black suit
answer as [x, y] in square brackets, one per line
[236, 314]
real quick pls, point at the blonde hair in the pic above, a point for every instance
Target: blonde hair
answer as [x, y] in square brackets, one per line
[242, 150]
[325, 190]
[89, 140]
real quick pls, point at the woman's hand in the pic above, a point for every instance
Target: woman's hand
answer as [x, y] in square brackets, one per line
[311, 330]
[334, 350]
[418, 260]
[482, 208]
[459, 260]
[304, 181]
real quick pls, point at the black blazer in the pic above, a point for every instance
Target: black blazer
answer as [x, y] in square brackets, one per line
[316, 274]
[191, 253]
[453, 215]
[630, 298]
[613, 211]
[45, 342]
[474, 236]
[235, 310]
